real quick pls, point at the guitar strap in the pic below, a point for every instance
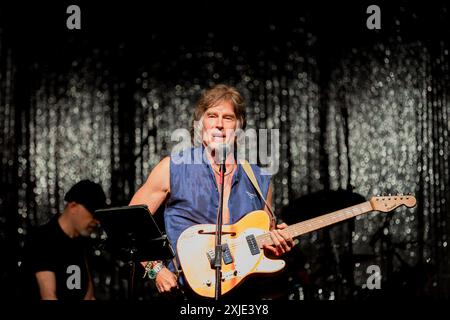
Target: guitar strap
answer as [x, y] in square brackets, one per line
[249, 171]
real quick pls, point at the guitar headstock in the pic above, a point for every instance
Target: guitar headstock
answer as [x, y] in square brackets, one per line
[391, 202]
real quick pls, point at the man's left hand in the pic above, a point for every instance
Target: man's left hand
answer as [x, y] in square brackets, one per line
[282, 241]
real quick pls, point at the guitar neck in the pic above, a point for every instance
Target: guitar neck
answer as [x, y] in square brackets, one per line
[306, 226]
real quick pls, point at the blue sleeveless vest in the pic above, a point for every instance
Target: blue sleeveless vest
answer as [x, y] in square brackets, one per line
[194, 196]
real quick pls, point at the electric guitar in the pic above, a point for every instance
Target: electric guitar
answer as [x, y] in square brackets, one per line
[243, 241]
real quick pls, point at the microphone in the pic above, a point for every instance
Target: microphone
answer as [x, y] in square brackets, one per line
[221, 153]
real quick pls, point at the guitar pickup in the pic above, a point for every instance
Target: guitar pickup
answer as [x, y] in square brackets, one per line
[252, 244]
[226, 255]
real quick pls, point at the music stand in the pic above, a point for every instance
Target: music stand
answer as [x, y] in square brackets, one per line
[134, 234]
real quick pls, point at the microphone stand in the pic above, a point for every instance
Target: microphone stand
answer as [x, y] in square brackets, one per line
[218, 234]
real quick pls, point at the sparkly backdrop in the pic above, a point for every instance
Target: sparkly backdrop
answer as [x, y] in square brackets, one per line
[366, 116]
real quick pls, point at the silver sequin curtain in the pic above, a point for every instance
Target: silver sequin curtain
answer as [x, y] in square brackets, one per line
[92, 119]
[70, 136]
[396, 98]
[397, 143]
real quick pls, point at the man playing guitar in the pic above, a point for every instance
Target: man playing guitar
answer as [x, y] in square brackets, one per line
[188, 182]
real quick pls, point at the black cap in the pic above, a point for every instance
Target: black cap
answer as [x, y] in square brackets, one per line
[87, 193]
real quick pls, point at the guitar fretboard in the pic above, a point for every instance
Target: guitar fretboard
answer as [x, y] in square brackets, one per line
[306, 226]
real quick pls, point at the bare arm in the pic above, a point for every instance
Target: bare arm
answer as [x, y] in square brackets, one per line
[90, 290]
[153, 193]
[269, 200]
[282, 240]
[47, 285]
[156, 188]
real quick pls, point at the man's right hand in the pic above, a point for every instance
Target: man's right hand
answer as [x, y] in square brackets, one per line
[166, 281]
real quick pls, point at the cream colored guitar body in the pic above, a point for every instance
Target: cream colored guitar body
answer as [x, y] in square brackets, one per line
[196, 247]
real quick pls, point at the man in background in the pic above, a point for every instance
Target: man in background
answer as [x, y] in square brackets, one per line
[56, 252]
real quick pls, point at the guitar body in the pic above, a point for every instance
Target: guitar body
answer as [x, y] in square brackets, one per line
[242, 244]
[196, 246]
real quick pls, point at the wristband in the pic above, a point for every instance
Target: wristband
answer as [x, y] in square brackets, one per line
[153, 272]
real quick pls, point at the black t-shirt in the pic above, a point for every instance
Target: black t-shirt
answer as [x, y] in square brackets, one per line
[50, 249]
